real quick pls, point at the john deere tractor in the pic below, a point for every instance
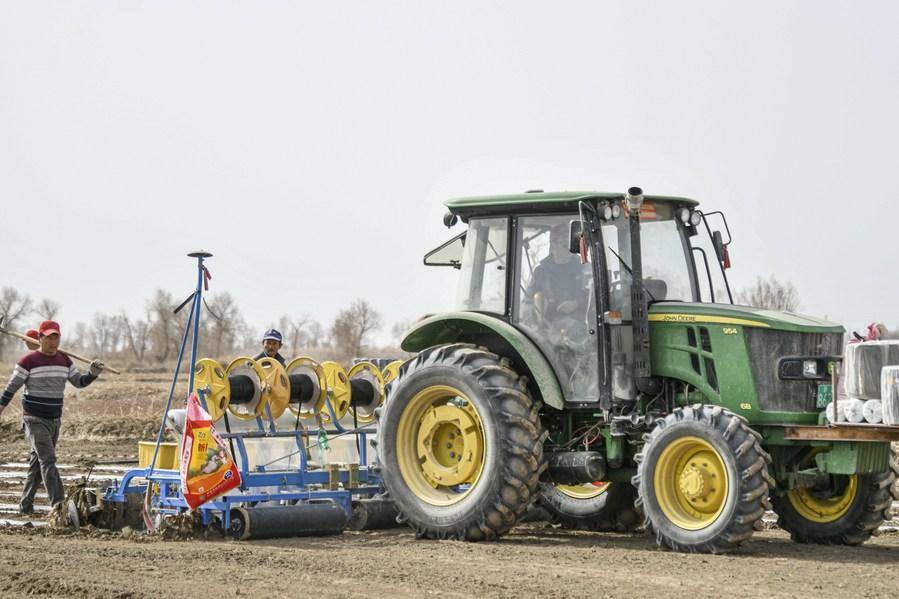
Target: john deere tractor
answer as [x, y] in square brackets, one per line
[597, 365]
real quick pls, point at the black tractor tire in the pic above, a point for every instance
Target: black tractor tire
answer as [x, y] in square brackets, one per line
[611, 511]
[512, 439]
[869, 508]
[739, 457]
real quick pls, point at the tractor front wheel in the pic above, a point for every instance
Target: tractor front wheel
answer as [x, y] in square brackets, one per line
[460, 444]
[702, 480]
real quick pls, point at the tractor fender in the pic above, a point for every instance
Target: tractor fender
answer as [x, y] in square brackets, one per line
[496, 335]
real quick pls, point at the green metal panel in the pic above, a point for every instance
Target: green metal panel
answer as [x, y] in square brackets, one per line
[855, 458]
[467, 326]
[520, 200]
[672, 355]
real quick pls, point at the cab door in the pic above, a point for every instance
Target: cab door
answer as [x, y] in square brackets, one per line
[555, 303]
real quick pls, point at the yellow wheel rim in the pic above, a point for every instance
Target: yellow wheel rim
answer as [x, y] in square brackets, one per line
[585, 491]
[441, 445]
[276, 386]
[691, 483]
[209, 377]
[817, 507]
[338, 390]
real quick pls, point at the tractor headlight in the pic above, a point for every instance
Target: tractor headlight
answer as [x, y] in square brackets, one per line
[695, 218]
[804, 368]
[810, 368]
[616, 210]
[684, 215]
[605, 212]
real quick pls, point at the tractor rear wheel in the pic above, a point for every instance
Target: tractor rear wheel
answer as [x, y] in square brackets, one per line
[599, 506]
[847, 512]
[702, 480]
[460, 444]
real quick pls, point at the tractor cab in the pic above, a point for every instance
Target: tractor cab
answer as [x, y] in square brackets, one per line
[525, 259]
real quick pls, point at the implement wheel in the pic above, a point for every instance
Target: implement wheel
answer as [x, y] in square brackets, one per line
[461, 444]
[844, 512]
[702, 480]
[599, 506]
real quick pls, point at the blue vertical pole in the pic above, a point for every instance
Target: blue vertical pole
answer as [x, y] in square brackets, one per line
[193, 318]
[198, 299]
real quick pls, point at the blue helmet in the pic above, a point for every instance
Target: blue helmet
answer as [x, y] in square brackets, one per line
[273, 334]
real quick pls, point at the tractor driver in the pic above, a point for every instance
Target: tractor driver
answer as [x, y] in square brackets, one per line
[558, 284]
[271, 343]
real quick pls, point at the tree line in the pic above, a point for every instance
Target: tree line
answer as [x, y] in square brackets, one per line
[154, 335]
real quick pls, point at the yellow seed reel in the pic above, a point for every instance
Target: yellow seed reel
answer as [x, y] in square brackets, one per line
[391, 371]
[369, 372]
[210, 378]
[314, 371]
[251, 369]
[338, 385]
[276, 386]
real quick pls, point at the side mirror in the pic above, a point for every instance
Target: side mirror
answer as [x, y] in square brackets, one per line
[575, 232]
[721, 249]
[718, 242]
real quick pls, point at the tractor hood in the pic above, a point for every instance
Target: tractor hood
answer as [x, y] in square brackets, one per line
[746, 316]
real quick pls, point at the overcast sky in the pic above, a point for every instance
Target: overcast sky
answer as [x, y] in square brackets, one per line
[310, 146]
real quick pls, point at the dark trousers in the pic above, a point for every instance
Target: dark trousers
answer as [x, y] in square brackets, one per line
[42, 434]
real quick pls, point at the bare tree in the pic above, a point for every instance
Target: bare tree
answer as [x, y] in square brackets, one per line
[772, 294]
[80, 337]
[163, 325]
[316, 336]
[13, 306]
[298, 332]
[106, 334]
[47, 309]
[137, 335]
[225, 326]
[352, 325]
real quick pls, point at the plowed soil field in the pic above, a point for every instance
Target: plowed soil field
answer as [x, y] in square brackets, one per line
[103, 423]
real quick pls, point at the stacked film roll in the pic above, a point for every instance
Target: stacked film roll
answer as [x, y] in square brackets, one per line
[889, 394]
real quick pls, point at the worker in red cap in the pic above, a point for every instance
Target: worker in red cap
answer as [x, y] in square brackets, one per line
[44, 373]
[33, 334]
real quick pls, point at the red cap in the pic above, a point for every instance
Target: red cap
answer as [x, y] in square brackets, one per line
[32, 333]
[48, 327]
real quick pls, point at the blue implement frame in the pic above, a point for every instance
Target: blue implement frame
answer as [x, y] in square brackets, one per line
[294, 484]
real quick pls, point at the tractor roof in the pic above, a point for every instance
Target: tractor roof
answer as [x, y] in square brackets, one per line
[544, 201]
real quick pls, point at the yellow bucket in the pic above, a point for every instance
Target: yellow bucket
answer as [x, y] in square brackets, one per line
[168, 458]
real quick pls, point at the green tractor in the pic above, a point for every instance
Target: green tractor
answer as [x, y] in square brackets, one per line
[597, 365]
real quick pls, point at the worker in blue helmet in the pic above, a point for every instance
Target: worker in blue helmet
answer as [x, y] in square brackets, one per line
[271, 343]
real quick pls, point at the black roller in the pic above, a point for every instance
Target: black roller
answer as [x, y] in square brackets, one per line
[242, 388]
[373, 514]
[301, 388]
[300, 520]
[575, 467]
[363, 392]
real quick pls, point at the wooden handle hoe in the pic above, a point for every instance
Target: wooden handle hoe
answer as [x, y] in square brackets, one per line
[27, 339]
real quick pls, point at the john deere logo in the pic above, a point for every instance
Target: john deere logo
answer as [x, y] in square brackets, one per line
[677, 318]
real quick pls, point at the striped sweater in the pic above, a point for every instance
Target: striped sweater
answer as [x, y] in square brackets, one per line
[44, 378]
